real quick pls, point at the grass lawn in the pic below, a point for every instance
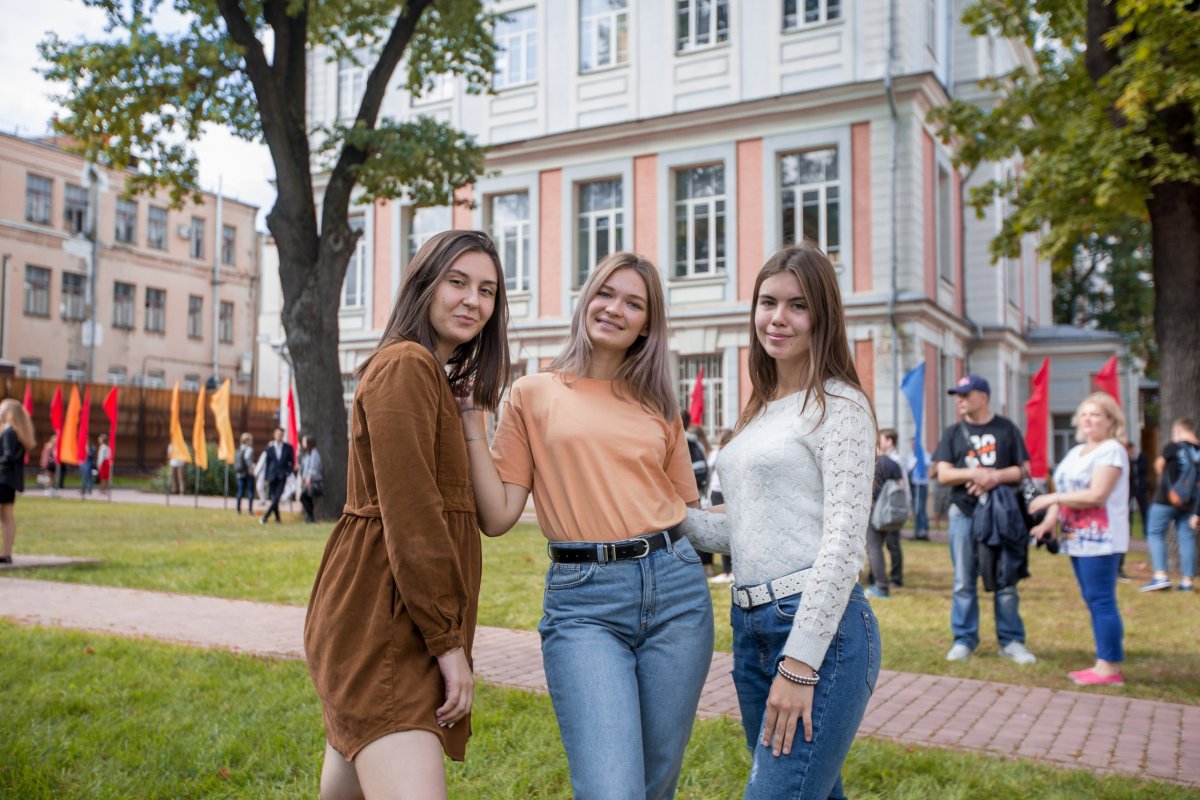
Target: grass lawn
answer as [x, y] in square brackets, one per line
[214, 725]
[219, 553]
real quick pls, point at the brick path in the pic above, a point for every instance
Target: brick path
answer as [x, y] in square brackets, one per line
[1091, 731]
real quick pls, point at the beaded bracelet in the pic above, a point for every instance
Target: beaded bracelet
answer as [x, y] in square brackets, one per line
[794, 678]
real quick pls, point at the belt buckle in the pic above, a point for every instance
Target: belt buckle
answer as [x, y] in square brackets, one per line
[645, 548]
[741, 597]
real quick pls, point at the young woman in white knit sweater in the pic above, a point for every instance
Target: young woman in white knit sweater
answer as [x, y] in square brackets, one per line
[797, 483]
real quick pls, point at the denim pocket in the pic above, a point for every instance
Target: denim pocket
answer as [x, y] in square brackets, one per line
[684, 551]
[568, 576]
[785, 609]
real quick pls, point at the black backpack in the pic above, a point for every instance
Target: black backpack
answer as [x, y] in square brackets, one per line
[699, 463]
[1182, 491]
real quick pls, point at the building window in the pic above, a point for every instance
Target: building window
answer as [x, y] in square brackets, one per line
[195, 327]
[156, 310]
[423, 223]
[156, 228]
[225, 328]
[196, 248]
[126, 221]
[29, 368]
[349, 385]
[191, 383]
[76, 372]
[601, 224]
[1064, 436]
[810, 200]
[799, 13]
[438, 88]
[945, 223]
[75, 208]
[701, 23]
[37, 199]
[155, 379]
[228, 240]
[352, 82]
[73, 299]
[117, 376]
[700, 221]
[603, 34]
[713, 383]
[516, 49]
[37, 292]
[123, 294]
[353, 294]
[509, 218]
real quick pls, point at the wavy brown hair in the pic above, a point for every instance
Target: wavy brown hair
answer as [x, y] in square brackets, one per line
[12, 412]
[829, 348]
[483, 362]
[644, 373]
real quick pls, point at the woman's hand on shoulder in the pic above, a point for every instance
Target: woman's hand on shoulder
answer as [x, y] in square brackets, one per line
[460, 687]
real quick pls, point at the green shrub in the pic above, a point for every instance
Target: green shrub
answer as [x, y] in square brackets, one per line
[212, 480]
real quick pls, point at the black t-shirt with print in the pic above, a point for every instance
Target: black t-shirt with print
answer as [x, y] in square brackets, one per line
[996, 445]
[1171, 472]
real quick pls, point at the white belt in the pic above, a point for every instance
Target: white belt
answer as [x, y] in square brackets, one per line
[748, 597]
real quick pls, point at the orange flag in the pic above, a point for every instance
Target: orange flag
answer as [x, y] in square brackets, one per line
[199, 445]
[68, 440]
[220, 408]
[179, 449]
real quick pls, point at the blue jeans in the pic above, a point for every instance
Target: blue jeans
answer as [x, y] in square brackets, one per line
[964, 607]
[245, 484]
[848, 675]
[1097, 576]
[1161, 515]
[920, 517]
[626, 646]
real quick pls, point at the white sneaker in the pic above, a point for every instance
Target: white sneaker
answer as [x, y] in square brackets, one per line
[959, 652]
[1018, 653]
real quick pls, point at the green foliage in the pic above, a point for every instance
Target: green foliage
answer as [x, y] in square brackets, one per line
[212, 480]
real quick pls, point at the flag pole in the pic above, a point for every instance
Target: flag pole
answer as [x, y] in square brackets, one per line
[197, 484]
[226, 485]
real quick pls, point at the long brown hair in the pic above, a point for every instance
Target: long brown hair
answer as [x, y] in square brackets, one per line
[483, 362]
[829, 348]
[644, 373]
[12, 411]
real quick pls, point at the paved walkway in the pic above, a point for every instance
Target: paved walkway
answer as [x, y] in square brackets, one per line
[1092, 731]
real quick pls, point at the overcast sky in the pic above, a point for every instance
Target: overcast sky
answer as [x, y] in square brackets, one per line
[26, 108]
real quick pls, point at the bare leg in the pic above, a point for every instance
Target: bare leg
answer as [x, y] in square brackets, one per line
[404, 766]
[339, 781]
[8, 523]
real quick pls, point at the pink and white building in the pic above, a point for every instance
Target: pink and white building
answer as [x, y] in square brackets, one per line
[703, 134]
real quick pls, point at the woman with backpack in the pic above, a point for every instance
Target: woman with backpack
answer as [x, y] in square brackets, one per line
[1178, 469]
[243, 467]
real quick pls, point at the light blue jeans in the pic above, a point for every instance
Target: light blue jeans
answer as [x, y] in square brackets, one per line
[848, 676]
[626, 647]
[1161, 516]
[964, 606]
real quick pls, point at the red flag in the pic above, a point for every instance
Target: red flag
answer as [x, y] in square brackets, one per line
[110, 410]
[28, 403]
[293, 433]
[1037, 414]
[1106, 380]
[696, 405]
[56, 420]
[85, 414]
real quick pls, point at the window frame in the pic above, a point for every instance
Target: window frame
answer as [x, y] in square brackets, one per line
[75, 372]
[29, 367]
[124, 308]
[800, 23]
[528, 37]
[618, 23]
[120, 373]
[690, 43]
[152, 227]
[37, 201]
[943, 220]
[356, 268]
[33, 291]
[154, 379]
[823, 203]
[196, 236]
[155, 314]
[126, 212]
[225, 322]
[715, 387]
[76, 202]
[714, 213]
[354, 74]
[228, 245]
[195, 316]
[616, 217]
[522, 231]
[413, 241]
[73, 302]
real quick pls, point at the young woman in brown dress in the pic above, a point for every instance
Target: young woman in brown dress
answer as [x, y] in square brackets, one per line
[392, 614]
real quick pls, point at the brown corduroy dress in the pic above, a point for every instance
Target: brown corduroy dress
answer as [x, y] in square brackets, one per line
[399, 582]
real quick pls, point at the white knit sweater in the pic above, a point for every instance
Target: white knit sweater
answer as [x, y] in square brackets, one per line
[798, 494]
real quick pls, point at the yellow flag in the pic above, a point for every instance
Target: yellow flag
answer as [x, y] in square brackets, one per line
[68, 452]
[179, 450]
[220, 408]
[199, 446]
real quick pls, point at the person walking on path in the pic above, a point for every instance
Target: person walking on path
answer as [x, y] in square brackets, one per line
[243, 468]
[974, 457]
[16, 439]
[887, 468]
[280, 464]
[627, 633]
[87, 470]
[888, 437]
[918, 481]
[312, 478]
[391, 619]
[1092, 504]
[797, 481]
[1182, 451]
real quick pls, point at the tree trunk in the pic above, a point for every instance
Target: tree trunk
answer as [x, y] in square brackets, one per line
[1175, 231]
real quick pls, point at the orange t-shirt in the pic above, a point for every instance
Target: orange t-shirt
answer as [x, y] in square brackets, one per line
[601, 466]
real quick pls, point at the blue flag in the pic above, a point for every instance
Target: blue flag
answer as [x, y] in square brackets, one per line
[913, 387]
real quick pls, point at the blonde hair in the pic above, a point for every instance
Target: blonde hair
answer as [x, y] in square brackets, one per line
[14, 413]
[644, 372]
[246, 438]
[1105, 402]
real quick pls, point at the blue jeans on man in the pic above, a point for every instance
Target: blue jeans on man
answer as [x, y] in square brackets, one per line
[920, 491]
[1161, 517]
[964, 607]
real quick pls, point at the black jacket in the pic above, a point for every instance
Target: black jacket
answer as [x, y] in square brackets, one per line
[1002, 540]
[12, 460]
[279, 468]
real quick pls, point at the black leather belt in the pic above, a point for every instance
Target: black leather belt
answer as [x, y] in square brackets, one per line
[603, 552]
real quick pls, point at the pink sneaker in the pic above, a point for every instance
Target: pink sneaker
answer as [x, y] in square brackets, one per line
[1089, 677]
